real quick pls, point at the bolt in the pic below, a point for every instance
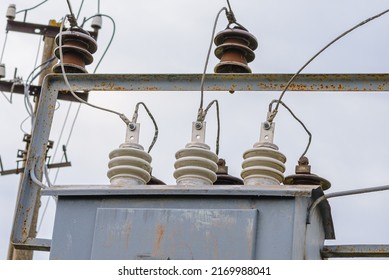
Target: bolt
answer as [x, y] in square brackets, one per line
[132, 126]
[266, 125]
[199, 125]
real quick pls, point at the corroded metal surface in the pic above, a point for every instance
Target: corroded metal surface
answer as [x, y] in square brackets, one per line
[223, 82]
[169, 82]
[356, 251]
[216, 190]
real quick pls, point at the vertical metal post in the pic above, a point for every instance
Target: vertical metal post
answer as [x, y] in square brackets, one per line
[32, 211]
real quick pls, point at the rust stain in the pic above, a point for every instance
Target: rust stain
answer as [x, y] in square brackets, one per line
[159, 234]
[215, 249]
[127, 232]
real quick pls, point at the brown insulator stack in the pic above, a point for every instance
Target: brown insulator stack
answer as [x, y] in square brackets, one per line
[304, 176]
[223, 178]
[235, 49]
[77, 49]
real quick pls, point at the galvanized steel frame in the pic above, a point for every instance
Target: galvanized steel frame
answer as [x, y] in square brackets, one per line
[54, 84]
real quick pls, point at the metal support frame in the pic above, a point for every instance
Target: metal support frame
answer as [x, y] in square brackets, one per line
[53, 84]
[355, 251]
[224, 82]
[35, 91]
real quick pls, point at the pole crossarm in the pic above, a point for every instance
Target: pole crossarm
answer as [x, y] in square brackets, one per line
[37, 29]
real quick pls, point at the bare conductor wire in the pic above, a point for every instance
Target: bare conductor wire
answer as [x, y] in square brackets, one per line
[122, 116]
[275, 111]
[135, 117]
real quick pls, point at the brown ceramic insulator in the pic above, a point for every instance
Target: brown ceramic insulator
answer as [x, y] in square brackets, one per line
[155, 181]
[235, 49]
[223, 178]
[77, 49]
[304, 176]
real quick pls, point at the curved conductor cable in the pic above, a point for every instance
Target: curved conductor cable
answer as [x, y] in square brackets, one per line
[122, 116]
[343, 193]
[27, 85]
[22, 123]
[218, 122]
[111, 39]
[32, 8]
[135, 118]
[232, 20]
[37, 52]
[200, 114]
[274, 112]
[34, 178]
[298, 120]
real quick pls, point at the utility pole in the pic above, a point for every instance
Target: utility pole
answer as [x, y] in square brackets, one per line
[19, 254]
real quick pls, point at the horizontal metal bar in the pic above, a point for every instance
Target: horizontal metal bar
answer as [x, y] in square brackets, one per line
[49, 166]
[166, 190]
[12, 171]
[224, 82]
[59, 165]
[37, 29]
[36, 244]
[355, 251]
[36, 90]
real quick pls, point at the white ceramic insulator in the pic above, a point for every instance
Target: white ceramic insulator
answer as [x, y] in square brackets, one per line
[2, 70]
[129, 165]
[195, 165]
[11, 12]
[263, 165]
[97, 22]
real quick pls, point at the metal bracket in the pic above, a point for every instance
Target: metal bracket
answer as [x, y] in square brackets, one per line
[49, 165]
[355, 251]
[132, 134]
[267, 132]
[198, 132]
[36, 244]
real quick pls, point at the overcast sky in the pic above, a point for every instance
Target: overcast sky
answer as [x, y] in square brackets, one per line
[350, 137]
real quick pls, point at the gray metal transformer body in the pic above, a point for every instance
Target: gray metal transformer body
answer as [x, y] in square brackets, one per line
[181, 222]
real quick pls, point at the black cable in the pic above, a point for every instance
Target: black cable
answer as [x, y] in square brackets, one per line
[135, 117]
[297, 119]
[275, 111]
[218, 122]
